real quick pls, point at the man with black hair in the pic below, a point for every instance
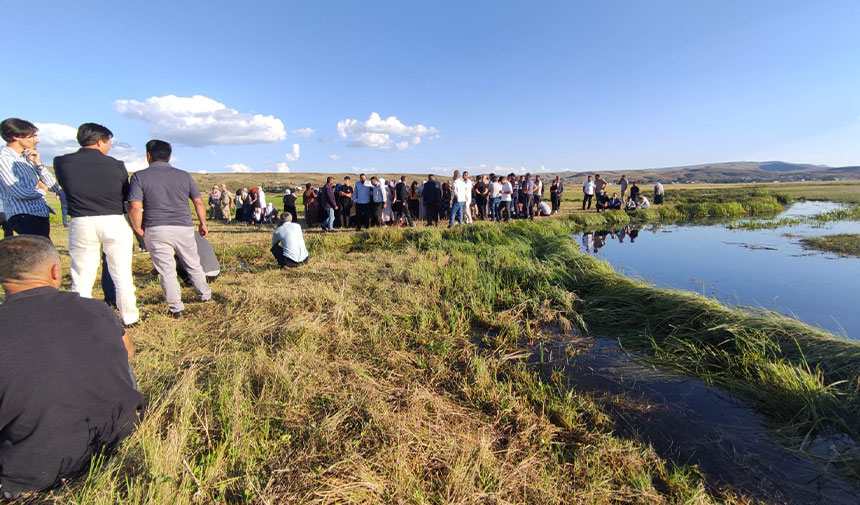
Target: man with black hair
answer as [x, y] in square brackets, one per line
[158, 209]
[96, 187]
[401, 201]
[378, 197]
[344, 202]
[66, 387]
[329, 204]
[24, 180]
[363, 202]
[431, 194]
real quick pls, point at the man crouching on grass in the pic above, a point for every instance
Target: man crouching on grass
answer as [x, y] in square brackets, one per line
[66, 388]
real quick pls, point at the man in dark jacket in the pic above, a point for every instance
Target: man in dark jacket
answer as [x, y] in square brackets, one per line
[401, 198]
[432, 196]
[329, 204]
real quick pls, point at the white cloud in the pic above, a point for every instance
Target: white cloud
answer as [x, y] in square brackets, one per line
[134, 159]
[304, 132]
[294, 154]
[388, 134]
[202, 172]
[199, 121]
[282, 168]
[56, 139]
[359, 170]
[239, 168]
[333, 157]
[324, 140]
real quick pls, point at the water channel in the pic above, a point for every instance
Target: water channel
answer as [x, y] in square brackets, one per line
[764, 269]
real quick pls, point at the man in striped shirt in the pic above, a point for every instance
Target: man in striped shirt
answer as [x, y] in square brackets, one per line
[24, 181]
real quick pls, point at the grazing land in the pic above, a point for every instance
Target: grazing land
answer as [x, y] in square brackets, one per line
[392, 369]
[846, 244]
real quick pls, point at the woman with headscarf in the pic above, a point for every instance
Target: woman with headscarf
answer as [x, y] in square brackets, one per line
[226, 203]
[414, 201]
[270, 215]
[240, 204]
[311, 205]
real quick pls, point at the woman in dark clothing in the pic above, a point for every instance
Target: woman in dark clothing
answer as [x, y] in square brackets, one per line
[311, 205]
[414, 200]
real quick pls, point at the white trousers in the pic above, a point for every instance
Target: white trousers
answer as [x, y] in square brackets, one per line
[88, 235]
[467, 210]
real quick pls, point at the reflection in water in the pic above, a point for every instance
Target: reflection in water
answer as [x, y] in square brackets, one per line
[757, 268]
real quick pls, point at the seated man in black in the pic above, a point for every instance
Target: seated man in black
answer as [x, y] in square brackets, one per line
[602, 201]
[66, 388]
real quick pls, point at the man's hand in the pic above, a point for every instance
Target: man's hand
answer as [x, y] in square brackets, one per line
[203, 230]
[138, 232]
[34, 157]
[44, 187]
[336, 207]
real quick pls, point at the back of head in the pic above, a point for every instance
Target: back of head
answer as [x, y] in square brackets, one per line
[285, 218]
[13, 128]
[91, 133]
[22, 256]
[159, 150]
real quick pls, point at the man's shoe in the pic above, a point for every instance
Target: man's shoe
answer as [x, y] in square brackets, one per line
[176, 315]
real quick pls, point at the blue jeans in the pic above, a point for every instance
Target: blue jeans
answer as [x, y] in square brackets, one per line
[494, 208]
[456, 208]
[329, 221]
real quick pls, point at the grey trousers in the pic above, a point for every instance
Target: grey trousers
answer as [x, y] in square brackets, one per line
[163, 242]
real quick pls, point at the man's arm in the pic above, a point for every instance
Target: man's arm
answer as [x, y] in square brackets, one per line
[135, 215]
[129, 348]
[201, 215]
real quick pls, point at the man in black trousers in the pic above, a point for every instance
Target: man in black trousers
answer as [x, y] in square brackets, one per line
[432, 196]
[401, 197]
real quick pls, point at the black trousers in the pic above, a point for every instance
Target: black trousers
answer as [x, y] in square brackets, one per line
[529, 206]
[556, 202]
[431, 212]
[505, 207]
[26, 224]
[377, 213]
[586, 198]
[292, 210]
[278, 252]
[401, 209]
[362, 215]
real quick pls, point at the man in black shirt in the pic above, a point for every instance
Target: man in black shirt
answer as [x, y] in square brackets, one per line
[96, 188]
[344, 202]
[431, 193]
[401, 198]
[66, 389]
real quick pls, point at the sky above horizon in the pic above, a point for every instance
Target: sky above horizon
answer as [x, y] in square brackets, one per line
[430, 87]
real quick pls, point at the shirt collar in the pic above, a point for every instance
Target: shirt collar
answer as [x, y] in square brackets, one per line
[160, 164]
[31, 292]
[8, 151]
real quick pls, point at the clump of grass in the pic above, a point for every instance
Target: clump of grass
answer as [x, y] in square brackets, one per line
[845, 244]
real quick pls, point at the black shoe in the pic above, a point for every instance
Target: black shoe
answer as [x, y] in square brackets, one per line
[176, 315]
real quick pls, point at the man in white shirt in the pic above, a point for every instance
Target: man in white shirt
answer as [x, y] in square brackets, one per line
[288, 243]
[587, 192]
[495, 194]
[458, 194]
[505, 197]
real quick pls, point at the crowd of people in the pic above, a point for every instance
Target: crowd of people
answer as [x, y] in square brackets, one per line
[375, 202]
[597, 189]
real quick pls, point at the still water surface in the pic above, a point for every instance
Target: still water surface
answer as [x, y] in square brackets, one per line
[756, 268]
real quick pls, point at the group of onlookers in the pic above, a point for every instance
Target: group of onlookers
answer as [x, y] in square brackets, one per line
[596, 188]
[374, 201]
[66, 388]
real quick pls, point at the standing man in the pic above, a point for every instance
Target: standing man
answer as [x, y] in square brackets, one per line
[344, 201]
[623, 184]
[470, 192]
[329, 204]
[587, 192]
[527, 188]
[401, 201]
[555, 194]
[431, 194]
[658, 193]
[361, 197]
[599, 184]
[538, 194]
[96, 187]
[377, 191]
[158, 200]
[458, 199]
[24, 181]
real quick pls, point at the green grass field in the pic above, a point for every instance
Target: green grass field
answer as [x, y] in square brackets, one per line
[845, 244]
[390, 370]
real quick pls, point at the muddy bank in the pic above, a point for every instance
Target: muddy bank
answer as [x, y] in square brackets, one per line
[693, 424]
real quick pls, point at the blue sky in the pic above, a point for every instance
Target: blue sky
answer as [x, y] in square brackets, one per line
[586, 85]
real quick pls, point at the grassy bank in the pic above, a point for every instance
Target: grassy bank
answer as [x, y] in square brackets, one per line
[390, 370]
[845, 244]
